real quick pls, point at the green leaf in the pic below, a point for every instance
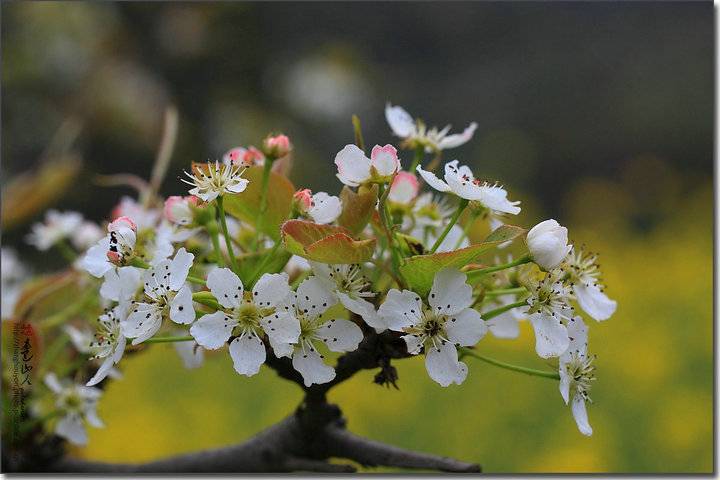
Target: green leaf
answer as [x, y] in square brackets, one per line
[357, 208]
[249, 263]
[419, 271]
[246, 205]
[325, 243]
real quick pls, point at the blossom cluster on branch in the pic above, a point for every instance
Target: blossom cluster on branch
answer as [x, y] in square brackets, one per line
[248, 263]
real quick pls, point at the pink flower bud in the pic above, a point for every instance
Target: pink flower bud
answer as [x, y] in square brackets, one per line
[120, 223]
[303, 200]
[178, 209]
[245, 157]
[404, 188]
[385, 160]
[277, 146]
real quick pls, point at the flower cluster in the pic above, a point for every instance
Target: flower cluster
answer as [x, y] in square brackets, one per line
[272, 272]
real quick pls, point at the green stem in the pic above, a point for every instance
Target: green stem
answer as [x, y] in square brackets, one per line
[213, 232]
[466, 230]
[226, 234]
[183, 338]
[453, 220]
[358, 133]
[474, 274]
[505, 291]
[509, 366]
[417, 160]
[263, 262]
[494, 313]
[263, 200]
[384, 217]
[195, 280]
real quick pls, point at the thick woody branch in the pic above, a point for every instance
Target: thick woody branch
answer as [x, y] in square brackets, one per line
[301, 442]
[344, 444]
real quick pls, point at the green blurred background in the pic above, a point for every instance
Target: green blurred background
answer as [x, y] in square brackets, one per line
[597, 114]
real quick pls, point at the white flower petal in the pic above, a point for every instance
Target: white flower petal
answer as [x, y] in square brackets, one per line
[120, 283]
[281, 327]
[564, 383]
[385, 160]
[413, 343]
[93, 419]
[213, 330]
[450, 294]
[71, 428]
[181, 307]
[401, 309]
[326, 208]
[495, 198]
[179, 268]
[191, 354]
[442, 364]
[365, 309]
[504, 325]
[248, 354]
[340, 335]
[281, 349]
[432, 180]
[400, 121]
[102, 372]
[142, 323]
[578, 335]
[353, 166]
[52, 382]
[594, 302]
[579, 411]
[465, 328]
[452, 141]
[313, 297]
[95, 260]
[239, 185]
[551, 336]
[271, 289]
[311, 367]
[226, 287]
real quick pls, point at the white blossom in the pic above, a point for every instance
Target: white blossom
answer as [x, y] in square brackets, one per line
[109, 342]
[142, 216]
[12, 276]
[404, 188]
[320, 207]
[577, 373]
[57, 227]
[355, 169]
[307, 305]
[416, 133]
[112, 249]
[86, 235]
[584, 279]
[78, 407]
[216, 180]
[507, 324]
[548, 244]
[245, 317]
[347, 283]
[447, 322]
[460, 181]
[167, 296]
[548, 310]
